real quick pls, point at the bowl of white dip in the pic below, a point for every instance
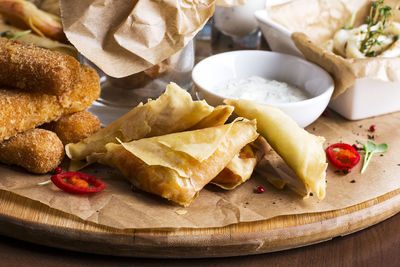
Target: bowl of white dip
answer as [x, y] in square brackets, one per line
[299, 88]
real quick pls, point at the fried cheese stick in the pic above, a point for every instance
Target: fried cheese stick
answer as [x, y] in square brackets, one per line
[36, 69]
[36, 150]
[75, 127]
[21, 111]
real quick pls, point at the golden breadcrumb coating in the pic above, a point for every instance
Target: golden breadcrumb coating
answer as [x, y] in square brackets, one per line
[21, 111]
[74, 127]
[36, 150]
[36, 69]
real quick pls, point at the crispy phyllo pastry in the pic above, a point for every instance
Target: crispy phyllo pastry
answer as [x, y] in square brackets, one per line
[36, 150]
[26, 15]
[21, 111]
[178, 165]
[35, 69]
[173, 111]
[218, 116]
[279, 174]
[241, 167]
[74, 127]
[302, 151]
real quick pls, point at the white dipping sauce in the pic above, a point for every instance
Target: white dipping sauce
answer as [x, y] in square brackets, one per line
[262, 90]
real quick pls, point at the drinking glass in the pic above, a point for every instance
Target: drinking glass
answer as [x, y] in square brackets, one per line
[120, 95]
[239, 23]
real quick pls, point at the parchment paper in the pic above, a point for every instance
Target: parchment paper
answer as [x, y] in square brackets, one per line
[123, 37]
[318, 20]
[121, 207]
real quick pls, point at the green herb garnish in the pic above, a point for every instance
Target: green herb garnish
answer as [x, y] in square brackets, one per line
[11, 35]
[378, 13]
[350, 23]
[371, 148]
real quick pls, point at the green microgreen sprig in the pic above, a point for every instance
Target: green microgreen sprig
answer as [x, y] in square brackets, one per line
[371, 148]
[12, 35]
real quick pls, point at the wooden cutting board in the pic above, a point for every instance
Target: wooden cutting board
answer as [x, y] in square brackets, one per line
[32, 221]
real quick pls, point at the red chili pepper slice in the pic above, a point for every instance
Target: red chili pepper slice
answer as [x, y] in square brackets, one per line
[78, 182]
[343, 156]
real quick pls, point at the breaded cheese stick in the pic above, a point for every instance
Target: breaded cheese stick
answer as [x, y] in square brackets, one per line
[21, 111]
[36, 69]
[36, 150]
[74, 127]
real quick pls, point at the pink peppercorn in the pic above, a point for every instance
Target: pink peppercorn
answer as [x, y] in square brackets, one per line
[372, 128]
[260, 189]
[57, 170]
[358, 147]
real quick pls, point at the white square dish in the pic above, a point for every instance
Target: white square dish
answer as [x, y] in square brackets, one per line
[366, 98]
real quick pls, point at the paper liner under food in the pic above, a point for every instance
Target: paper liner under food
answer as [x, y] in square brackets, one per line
[120, 206]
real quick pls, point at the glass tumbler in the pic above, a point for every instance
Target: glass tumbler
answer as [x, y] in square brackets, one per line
[239, 23]
[120, 95]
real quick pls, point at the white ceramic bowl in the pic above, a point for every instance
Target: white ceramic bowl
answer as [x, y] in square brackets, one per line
[358, 101]
[214, 70]
[278, 37]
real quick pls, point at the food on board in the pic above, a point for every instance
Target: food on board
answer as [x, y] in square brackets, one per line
[378, 37]
[78, 183]
[173, 111]
[74, 127]
[342, 156]
[26, 15]
[21, 111]
[241, 167]
[36, 150]
[302, 151]
[35, 69]
[178, 165]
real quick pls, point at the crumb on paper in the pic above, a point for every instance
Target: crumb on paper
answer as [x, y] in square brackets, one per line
[181, 212]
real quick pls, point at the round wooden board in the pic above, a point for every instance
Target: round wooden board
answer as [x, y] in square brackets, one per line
[32, 221]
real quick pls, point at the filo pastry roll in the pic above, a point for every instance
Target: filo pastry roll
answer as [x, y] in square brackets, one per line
[241, 167]
[177, 166]
[303, 152]
[173, 111]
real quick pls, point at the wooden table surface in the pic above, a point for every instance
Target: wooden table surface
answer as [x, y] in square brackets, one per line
[378, 245]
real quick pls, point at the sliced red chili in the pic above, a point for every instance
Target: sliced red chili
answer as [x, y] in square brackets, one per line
[78, 182]
[342, 156]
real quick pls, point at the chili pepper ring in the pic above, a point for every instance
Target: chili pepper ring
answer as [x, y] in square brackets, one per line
[342, 156]
[78, 183]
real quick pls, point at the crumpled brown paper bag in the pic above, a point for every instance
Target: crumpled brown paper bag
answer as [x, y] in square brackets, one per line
[123, 37]
[315, 21]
